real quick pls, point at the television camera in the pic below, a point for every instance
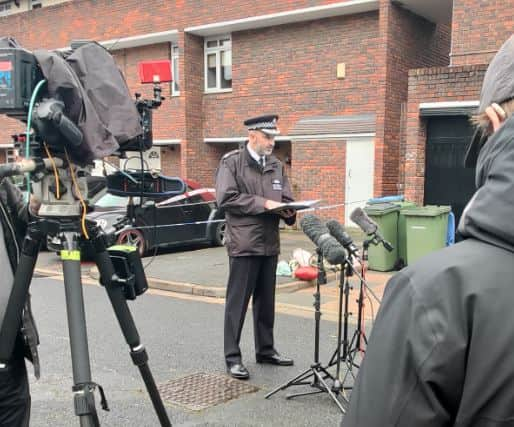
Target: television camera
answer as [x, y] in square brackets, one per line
[77, 109]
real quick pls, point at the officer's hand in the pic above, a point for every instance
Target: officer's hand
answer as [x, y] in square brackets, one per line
[271, 204]
[287, 213]
[34, 205]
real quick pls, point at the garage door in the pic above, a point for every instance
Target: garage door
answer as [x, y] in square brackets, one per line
[447, 181]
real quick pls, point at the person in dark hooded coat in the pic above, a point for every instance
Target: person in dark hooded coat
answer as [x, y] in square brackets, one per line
[14, 385]
[441, 352]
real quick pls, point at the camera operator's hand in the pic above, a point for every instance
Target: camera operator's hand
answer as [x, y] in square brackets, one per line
[34, 205]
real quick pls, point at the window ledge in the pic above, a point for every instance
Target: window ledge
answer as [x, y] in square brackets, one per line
[214, 91]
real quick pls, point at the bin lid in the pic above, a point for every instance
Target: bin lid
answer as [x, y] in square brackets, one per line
[379, 209]
[429, 210]
[405, 205]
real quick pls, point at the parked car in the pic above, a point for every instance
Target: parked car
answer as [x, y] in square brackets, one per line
[192, 217]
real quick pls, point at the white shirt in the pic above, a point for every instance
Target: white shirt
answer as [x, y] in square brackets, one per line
[255, 155]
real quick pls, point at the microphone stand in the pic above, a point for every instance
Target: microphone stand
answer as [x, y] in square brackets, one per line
[318, 373]
[354, 346]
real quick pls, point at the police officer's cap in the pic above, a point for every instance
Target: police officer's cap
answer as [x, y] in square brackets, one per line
[265, 124]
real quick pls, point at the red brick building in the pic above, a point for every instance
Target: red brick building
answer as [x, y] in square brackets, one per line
[355, 82]
[441, 99]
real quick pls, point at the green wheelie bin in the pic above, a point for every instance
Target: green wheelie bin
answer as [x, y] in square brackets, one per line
[402, 232]
[426, 230]
[386, 217]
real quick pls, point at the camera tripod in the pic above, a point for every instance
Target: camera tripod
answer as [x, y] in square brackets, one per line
[118, 290]
[316, 371]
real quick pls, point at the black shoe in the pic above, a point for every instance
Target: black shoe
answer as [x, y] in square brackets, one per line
[275, 359]
[238, 371]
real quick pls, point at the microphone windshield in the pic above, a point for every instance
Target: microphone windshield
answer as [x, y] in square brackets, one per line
[359, 217]
[320, 236]
[337, 230]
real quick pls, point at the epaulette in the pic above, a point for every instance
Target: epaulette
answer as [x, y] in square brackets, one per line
[231, 153]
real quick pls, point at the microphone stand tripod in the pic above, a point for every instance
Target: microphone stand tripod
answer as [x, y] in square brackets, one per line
[342, 328]
[359, 333]
[352, 347]
[318, 373]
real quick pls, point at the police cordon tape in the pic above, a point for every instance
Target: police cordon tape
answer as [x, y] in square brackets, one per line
[214, 221]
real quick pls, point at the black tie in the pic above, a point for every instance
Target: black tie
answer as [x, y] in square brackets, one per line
[261, 161]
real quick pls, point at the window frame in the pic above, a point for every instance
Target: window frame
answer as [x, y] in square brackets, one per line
[217, 51]
[175, 60]
[5, 8]
[11, 154]
[36, 4]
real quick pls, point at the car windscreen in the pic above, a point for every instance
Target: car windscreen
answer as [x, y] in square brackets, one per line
[112, 201]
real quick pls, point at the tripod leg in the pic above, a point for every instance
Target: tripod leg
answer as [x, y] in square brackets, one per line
[83, 386]
[11, 320]
[129, 330]
[298, 380]
[329, 391]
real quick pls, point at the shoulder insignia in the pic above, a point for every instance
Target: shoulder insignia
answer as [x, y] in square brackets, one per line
[230, 154]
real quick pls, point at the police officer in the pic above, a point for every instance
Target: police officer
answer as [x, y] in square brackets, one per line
[251, 183]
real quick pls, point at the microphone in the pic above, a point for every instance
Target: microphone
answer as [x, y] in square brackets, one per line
[320, 236]
[338, 232]
[359, 217]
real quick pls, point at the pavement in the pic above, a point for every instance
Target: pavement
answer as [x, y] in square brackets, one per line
[202, 271]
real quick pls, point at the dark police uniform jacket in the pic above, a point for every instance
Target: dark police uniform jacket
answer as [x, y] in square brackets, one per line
[441, 352]
[14, 218]
[242, 187]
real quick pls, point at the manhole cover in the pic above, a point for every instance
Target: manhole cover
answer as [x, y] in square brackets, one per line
[200, 391]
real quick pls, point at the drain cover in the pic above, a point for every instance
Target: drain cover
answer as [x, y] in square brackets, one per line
[202, 390]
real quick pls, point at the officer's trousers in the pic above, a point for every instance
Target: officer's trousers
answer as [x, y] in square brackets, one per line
[14, 393]
[250, 276]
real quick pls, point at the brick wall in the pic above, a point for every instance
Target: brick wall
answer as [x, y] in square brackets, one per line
[170, 160]
[56, 25]
[411, 42]
[480, 27]
[291, 70]
[433, 85]
[318, 172]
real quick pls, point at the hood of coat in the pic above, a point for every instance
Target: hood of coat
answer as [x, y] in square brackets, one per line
[489, 216]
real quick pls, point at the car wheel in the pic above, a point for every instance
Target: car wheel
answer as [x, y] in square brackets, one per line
[133, 237]
[219, 234]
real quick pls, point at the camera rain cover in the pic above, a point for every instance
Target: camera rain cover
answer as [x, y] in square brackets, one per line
[96, 98]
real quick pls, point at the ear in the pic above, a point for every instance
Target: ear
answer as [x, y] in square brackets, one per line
[494, 118]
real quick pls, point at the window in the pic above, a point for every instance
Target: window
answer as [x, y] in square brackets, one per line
[36, 4]
[10, 155]
[5, 8]
[218, 64]
[175, 88]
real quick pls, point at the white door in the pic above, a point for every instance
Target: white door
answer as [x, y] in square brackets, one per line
[360, 171]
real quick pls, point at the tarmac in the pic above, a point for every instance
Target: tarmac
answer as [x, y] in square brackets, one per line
[201, 271]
